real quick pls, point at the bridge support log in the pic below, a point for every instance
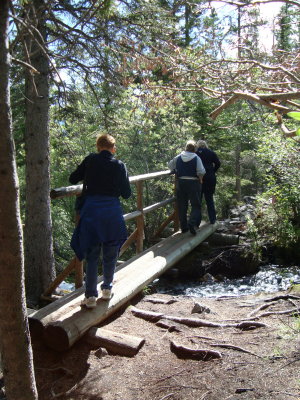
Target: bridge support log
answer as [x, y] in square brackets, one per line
[62, 332]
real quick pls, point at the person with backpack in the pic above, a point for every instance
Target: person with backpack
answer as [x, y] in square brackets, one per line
[211, 164]
[189, 171]
[101, 228]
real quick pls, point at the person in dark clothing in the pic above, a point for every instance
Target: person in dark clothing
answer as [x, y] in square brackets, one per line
[211, 164]
[189, 171]
[101, 227]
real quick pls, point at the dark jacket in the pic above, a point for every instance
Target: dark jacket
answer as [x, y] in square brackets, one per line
[102, 174]
[211, 164]
[209, 160]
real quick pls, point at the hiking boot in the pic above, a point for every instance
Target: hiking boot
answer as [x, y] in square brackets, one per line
[89, 302]
[192, 230]
[106, 294]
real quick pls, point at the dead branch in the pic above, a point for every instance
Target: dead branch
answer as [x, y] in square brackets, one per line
[255, 2]
[159, 301]
[60, 394]
[201, 337]
[231, 346]
[267, 100]
[25, 64]
[195, 354]
[167, 395]
[284, 129]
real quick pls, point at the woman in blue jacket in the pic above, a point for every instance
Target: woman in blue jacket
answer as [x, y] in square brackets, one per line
[101, 228]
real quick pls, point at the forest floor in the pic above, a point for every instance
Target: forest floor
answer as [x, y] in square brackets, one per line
[261, 363]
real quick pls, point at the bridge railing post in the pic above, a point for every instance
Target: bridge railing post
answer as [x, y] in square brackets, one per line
[140, 219]
[176, 216]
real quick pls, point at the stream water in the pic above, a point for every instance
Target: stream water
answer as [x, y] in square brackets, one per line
[270, 278]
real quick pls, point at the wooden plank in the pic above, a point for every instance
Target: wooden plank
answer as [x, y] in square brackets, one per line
[115, 342]
[137, 273]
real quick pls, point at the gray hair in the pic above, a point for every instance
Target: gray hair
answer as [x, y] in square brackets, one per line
[202, 144]
[190, 146]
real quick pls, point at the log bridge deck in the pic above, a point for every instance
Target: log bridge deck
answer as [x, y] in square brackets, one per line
[63, 322]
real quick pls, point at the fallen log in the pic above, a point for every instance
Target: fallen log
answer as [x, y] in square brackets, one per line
[73, 322]
[194, 354]
[115, 343]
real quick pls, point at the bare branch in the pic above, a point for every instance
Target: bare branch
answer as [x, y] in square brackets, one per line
[25, 64]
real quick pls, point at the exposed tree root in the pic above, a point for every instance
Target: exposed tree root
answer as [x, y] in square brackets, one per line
[194, 322]
[262, 307]
[293, 311]
[194, 354]
[283, 297]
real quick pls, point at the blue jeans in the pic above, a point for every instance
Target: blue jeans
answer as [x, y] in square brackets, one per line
[109, 260]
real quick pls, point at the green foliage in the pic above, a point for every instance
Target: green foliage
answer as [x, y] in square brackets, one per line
[278, 212]
[295, 115]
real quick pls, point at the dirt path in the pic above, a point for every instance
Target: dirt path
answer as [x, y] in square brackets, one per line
[261, 363]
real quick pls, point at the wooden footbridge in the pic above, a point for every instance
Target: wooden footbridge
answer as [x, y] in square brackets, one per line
[63, 322]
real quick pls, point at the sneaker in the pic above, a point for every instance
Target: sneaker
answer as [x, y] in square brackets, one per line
[89, 302]
[106, 294]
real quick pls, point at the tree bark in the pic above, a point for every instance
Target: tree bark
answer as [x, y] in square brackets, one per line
[14, 334]
[39, 257]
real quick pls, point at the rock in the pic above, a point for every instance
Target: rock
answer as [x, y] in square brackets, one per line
[200, 308]
[101, 352]
[172, 273]
[207, 278]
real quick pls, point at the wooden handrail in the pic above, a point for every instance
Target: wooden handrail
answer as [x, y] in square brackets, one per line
[75, 190]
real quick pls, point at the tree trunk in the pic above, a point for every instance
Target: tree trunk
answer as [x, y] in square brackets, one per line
[14, 334]
[39, 258]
